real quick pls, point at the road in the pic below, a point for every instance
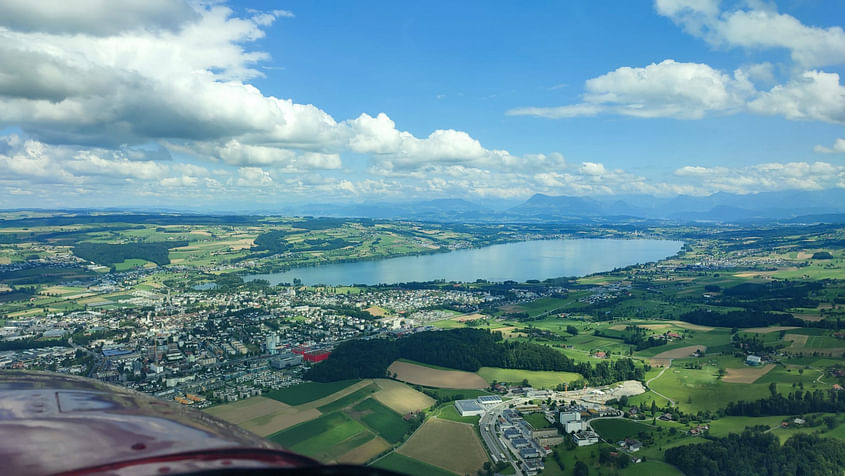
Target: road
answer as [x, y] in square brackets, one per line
[486, 427]
[672, 403]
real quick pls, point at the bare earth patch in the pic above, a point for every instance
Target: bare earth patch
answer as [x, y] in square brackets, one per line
[804, 255]
[446, 444]
[767, 330]
[662, 359]
[429, 377]
[809, 317]
[365, 452]
[746, 374]
[654, 327]
[401, 398]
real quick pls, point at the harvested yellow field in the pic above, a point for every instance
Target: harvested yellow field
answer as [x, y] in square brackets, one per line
[809, 317]
[746, 374]
[469, 317]
[401, 398]
[263, 416]
[268, 424]
[244, 244]
[766, 330]
[692, 327]
[429, 377]
[200, 232]
[365, 452]
[446, 444]
[245, 410]
[654, 327]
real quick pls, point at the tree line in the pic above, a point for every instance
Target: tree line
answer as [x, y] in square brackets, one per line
[464, 349]
[751, 454]
[109, 254]
[797, 402]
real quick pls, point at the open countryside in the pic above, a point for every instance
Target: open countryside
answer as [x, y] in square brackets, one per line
[701, 350]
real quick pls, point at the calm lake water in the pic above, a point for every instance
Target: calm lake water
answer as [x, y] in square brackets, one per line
[519, 262]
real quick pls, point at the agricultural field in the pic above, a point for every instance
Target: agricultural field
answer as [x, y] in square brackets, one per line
[386, 422]
[256, 415]
[369, 413]
[536, 378]
[448, 445]
[308, 392]
[430, 377]
[401, 398]
[406, 465]
[326, 438]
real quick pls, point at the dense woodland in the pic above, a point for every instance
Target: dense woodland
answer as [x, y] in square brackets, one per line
[465, 349]
[752, 454]
[109, 254]
[745, 318]
[795, 403]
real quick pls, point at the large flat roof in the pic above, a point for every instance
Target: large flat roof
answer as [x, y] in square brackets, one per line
[468, 406]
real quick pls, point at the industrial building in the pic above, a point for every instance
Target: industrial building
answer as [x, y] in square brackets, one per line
[285, 360]
[489, 400]
[585, 438]
[468, 407]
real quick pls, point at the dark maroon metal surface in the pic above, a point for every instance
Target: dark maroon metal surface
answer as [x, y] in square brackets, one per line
[53, 423]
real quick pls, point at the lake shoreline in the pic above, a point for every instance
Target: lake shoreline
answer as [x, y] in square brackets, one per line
[513, 261]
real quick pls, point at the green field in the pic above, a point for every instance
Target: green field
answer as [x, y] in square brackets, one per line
[537, 420]
[537, 378]
[413, 467]
[324, 438]
[387, 423]
[308, 392]
[448, 412]
[348, 400]
[453, 393]
[616, 429]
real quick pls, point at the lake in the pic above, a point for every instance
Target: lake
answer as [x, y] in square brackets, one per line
[518, 261]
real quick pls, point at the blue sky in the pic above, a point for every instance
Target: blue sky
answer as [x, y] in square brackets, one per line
[257, 104]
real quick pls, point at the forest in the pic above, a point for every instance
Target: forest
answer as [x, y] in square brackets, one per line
[464, 349]
[795, 403]
[751, 454]
[740, 319]
[109, 254]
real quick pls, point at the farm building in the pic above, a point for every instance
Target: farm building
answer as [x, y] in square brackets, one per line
[753, 360]
[468, 407]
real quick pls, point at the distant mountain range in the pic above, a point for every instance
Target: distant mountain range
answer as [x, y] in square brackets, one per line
[787, 206]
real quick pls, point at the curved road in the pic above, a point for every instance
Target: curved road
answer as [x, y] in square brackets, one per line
[648, 385]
